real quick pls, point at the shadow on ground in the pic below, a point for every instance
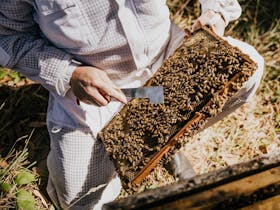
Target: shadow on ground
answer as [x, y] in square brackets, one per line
[23, 111]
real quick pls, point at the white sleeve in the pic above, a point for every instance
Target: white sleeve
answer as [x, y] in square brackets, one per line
[23, 49]
[229, 9]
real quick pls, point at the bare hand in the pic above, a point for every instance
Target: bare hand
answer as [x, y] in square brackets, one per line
[212, 19]
[92, 85]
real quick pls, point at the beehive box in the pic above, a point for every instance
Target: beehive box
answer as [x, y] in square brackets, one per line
[198, 79]
[249, 185]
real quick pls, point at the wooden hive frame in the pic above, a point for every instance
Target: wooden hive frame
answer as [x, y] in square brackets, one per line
[196, 120]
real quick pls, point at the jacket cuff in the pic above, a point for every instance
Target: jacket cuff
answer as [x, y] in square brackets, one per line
[210, 5]
[63, 83]
[228, 9]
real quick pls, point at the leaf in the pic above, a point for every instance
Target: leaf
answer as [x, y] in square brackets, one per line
[15, 76]
[5, 187]
[152, 187]
[3, 73]
[24, 178]
[24, 200]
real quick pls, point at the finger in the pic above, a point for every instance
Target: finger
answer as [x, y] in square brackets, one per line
[117, 94]
[197, 25]
[113, 91]
[210, 18]
[219, 27]
[187, 33]
[107, 97]
[94, 96]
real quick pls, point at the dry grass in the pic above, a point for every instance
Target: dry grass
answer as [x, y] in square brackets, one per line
[17, 175]
[242, 136]
[251, 131]
[254, 129]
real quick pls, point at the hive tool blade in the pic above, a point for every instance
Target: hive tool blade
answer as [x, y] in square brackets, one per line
[153, 93]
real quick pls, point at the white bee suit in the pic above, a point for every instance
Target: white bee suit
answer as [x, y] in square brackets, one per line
[77, 151]
[81, 149]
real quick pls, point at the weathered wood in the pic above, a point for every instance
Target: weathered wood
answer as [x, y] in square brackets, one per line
[232, 193]
[229, 188]
[272, 203]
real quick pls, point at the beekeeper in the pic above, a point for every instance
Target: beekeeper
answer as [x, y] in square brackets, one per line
[83, 52]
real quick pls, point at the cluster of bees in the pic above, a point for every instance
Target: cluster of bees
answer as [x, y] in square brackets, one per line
[193, 78]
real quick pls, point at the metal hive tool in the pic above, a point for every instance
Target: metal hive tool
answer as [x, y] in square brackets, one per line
[198, 79]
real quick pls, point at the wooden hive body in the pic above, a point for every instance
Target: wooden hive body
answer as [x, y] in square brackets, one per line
[198, 79]
[249, 185]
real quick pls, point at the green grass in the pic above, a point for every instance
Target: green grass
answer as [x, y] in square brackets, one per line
[19, 180]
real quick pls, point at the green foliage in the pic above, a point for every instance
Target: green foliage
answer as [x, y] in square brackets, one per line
[5, 187]
[258, 17]
[3, 73]
[24, 200]
[13, 76]
[17, 181]
[24, 178]
[261, 13]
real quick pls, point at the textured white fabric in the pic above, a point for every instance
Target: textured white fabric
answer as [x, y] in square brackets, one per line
[78, 162]
[212, 19]
[41, 37]
[229, 9]
[118, 36]
[4, 57]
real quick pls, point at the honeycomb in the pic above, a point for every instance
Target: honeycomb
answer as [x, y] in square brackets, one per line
[198, 79]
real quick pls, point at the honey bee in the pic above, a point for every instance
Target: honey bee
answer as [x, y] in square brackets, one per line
[193, 77]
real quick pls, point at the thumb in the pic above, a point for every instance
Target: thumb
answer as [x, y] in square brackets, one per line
[219, 27]
[197, 25]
